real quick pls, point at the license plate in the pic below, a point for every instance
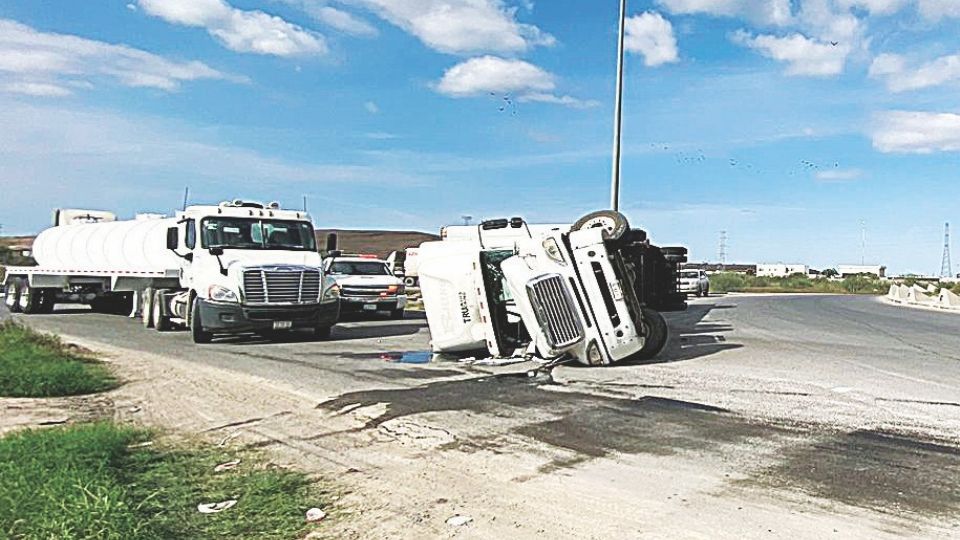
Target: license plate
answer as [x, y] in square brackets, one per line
[615, 289]
[282, 325]
[370, 307]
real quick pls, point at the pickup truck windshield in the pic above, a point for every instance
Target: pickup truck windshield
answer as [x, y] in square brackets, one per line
[364, 268]
[239, 233]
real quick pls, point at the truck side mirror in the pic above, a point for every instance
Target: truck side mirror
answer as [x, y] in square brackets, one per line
[173, 238]
[334, 253]
[494, 224]
[516, 222]
[332, 241]
[216, 251]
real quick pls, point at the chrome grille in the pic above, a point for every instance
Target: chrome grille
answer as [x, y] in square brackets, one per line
[281, 286]
[555, 311]
[364, 290]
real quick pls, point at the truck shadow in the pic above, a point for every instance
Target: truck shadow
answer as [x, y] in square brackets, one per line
[691, 336]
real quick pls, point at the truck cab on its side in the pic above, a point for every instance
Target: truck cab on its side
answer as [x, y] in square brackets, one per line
[593, 291]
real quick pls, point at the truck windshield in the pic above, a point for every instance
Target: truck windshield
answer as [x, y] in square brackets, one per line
[690, 275]
[359, 268]
[239, 233]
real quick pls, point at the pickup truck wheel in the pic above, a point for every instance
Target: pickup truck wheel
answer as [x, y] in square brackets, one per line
[12, 295]
[657, 334]
[322, 332]
[146, 310]
[160, 321]
[30, 298]
[613, 223]
[197, 332]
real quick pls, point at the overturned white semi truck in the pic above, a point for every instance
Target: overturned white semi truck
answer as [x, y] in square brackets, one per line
[235, 267]
[593, 291]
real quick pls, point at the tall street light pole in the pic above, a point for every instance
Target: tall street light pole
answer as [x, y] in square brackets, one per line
[618, 114]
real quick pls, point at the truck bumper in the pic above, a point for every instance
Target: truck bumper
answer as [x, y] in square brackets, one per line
[350, 304]
[217, 317]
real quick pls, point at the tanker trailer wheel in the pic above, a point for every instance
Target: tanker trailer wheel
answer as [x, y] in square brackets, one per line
[160, 321]
[197, 332]
[613, 223]
[12, 295]
[146, 310]
[655, 329]
[30, 299]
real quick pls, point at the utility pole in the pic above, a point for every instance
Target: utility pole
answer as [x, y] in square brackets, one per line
[304, 204]
[618, 113]
[723, 250]
[186, 195]
[946, 268]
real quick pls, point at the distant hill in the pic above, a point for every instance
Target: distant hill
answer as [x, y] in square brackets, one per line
[379, 243]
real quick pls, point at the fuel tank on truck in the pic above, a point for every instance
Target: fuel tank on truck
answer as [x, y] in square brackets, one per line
[137, 245]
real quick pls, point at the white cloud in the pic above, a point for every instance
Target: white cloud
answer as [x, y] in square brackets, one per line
[916, 132]
[938, 9]
[343, 21]
[803, 55]
[567, 101]
[485, 74]
[763, 12]
[652, 36]
[839, 175]
[874, 7]
[239, 30]
[893, 70]
[371, 107]
[46, 64]
[460, 26]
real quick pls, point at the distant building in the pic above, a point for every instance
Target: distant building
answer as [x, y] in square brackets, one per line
[781, 270]
[713, 268]
[876, 270]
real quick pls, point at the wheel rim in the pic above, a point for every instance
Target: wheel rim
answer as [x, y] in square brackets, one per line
[11, 297]
[25, 296]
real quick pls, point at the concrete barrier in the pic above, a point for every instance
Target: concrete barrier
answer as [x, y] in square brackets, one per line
[933, 289]
[900, 293]
[948, 299]
[918, 295]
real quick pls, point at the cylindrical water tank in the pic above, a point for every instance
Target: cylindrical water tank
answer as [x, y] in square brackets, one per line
[119, 246]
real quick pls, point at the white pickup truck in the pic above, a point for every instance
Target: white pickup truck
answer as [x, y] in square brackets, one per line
[235, 267]
[592, 291]
[367, 284]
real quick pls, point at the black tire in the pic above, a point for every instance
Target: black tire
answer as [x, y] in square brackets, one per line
[146, 307]
[706, 292]
[161, 320]
[699, 292]
[396, 314]
[617, 224]
[657, 335]
[30, 299]
[322, 332]
[197, 332]
[12, 298]
[47, 300]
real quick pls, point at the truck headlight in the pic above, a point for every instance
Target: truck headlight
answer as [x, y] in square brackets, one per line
[221, 294]
[594, 356]
[552, 250]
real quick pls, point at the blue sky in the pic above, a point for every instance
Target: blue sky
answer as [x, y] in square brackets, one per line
[785, 123]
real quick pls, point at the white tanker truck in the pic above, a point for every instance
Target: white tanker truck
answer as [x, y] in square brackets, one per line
[236, 267]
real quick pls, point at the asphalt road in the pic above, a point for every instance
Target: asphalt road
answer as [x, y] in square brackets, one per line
[845, 401]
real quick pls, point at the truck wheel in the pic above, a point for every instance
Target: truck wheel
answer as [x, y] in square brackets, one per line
[396, 314]
[30, 298]
[160, 321]
[146, 310]
[410, 282]
[657, 334]
[12, 292]
[613, 223]
[47, 300]
[197, 332]
[322, 332]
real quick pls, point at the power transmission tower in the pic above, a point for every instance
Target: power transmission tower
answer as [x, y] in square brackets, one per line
[466, 219]
[723, 250]
[946, 268]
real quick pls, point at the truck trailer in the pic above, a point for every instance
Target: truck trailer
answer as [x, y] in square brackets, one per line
[231, 268]
[594, 291]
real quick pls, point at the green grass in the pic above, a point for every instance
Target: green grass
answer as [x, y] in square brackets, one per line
[86, 481]
[731, 282]
[40, 365]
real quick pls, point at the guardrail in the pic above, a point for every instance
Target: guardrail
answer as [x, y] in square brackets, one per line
[929, 297]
